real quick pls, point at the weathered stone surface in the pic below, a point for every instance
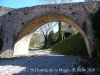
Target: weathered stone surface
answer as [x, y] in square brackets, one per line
[18, 24]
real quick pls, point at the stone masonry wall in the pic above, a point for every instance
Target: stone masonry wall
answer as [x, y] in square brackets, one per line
[14, 20]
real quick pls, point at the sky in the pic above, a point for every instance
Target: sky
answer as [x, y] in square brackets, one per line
[26, 3]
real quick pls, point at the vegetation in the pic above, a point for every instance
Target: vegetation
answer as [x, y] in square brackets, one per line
[60, 32]
[96, 27]
[45, 30]
[0, 44]
[55, 1]
[67, 34]
[1, 38]
[74, 45]
[95, 18]
[31, 52]
[52, 38]
[91, 0]
[35, 40]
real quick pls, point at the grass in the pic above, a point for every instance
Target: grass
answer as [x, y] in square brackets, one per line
[97, 62]
[73, 45]
[46, 48]
[31, 52]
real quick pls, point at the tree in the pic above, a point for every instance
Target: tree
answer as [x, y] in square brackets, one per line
[67, 34]
[45, 30]
[1, 42]
[55, 1]
[59, 23]
[93, 21]
[91, 0]
[59, 31]
[52, 38]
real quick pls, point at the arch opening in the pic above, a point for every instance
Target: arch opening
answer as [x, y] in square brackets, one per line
[22, 43]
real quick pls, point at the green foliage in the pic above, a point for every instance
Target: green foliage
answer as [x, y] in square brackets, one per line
[97, 62]
[60, 32]
[31, 44]
[96, 23]
[45, 48]
[90, 0]
[67, 34]
[96, 26]
[52, 38]
[1, 43]
[74, 45]
[34, 40]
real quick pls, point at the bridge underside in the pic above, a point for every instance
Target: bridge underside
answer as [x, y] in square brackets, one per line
[19, 24]
[21, 46]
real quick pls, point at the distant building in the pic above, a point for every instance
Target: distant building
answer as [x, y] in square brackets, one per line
[39, 39]
[68, 28]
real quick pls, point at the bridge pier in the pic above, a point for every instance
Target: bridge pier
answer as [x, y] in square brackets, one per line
[21, 47]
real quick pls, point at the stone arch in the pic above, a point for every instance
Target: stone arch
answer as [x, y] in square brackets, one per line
[24, 36]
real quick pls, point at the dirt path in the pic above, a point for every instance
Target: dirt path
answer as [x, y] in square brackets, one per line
[45, 52]
[44, 63]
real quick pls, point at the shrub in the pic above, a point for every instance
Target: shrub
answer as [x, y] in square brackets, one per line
[74, 45]
[1, 43]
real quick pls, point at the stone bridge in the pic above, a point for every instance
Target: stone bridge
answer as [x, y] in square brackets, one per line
[17, 25]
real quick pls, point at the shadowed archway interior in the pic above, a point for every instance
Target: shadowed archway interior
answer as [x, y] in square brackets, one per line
[22, 43]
